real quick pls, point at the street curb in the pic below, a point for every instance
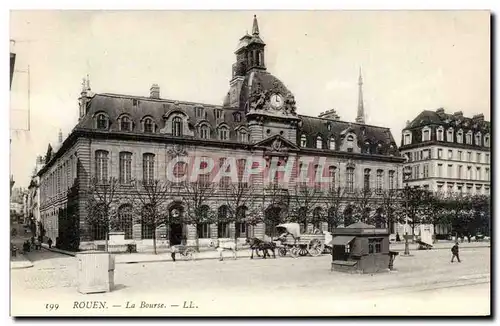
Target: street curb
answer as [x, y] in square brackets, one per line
[64, 252]
[21, 265]
[442, 248]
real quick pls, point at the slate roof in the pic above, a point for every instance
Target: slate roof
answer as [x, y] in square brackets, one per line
[438, 117]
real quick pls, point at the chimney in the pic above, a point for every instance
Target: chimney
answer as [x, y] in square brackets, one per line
[440, 112]
[329, 114]
[39, 159]
[60, 138]
[154, 91]
[478, 117]
[458, 114]
[408, 123]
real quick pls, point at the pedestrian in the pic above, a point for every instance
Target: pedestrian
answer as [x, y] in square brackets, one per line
[49, 242]
[454, 252]
[38, 245]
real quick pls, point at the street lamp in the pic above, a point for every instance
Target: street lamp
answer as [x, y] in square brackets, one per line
[406, 176]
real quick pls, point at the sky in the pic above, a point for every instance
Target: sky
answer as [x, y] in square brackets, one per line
[410, 60]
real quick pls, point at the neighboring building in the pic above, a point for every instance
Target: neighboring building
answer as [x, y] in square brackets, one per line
[448, 153]
[33, 196]
[137, 137]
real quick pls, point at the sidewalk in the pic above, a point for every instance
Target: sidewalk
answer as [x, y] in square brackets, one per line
[400, 246]
[20, 261]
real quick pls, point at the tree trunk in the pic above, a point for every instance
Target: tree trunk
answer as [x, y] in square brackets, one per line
[154, 240]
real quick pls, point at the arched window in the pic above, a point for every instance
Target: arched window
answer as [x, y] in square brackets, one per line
[223, 133]
[125, 123]
[102, 121]
[332, 143]
[350, 179]
[125, 220]
[332, 171]
[204, 132]
[406, 138]
[148, 125]
[440, 134]
[177, 126]
[303, 141]
[125, 168]
[222, 222]
[380, 181]
[319, 142]
[366, 183]
[101, 166]
[426, 134]
[243, 136]
[460, 136]
[478, 139]
[148, 168]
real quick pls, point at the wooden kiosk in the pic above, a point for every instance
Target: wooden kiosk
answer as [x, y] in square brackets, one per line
[361, 248]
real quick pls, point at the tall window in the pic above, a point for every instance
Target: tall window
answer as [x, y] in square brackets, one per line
[460, 136]
[487, 174]
[468, 138]
[303, 141]
[223, 133]
[440, 134]
[332, 171]
[487, 140]
[426, 135]
[391, 179]
[478, 139]
[222, 224]
[449, 135]
[319, 142]
[148, 167]
[332, 143]
[380, 178]
[125, 124]
[148, 125]
[177, 126]
[478, 157]
[469, 156]
[440, 153]
[459, 155]
[203, 227]
[366, 181]
[478, 173]
[241, 163]
[350, 179]
[426, 170]
[125, 220]
[102, 121]
[204, 132]
[241, 226]
[225, 181]
[450, 171]
[450, 154]
[147, 228]
[440, 170]
[125, 167]
[243, 136]
[101, 165]
[459, 172]
[407, 139]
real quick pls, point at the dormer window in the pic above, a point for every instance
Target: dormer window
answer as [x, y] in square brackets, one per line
[319, 142]
[218, 113]
[329, 126]
[478, 139]
[487, 140]
[350, 138]
[460, 136]
[332, 143]
[449, 135]
[303, 141]
[426, 134]
[177, 126]
[148, 125]
[204, 132]
[223, 133]
[407, 138]
[440, 134]
[125, 123]
[135, 102]
[468, 138]
[237, 117]
[367, 147]
[102, 121]
[200, 112]
[243, 136]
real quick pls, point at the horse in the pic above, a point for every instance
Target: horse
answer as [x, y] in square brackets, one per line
[227, 245]
[258, 244]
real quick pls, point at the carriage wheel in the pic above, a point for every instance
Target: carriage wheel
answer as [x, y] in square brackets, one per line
[282, 252]
[315, 247]
[294, 252]
[303, 251]
[189, 254]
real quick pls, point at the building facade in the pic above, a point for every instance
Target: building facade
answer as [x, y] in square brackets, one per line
[138, 137]
[448, 153]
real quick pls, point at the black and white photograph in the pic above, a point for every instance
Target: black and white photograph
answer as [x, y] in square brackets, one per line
[245, 163]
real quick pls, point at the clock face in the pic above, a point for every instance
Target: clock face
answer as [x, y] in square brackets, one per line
[276, 101]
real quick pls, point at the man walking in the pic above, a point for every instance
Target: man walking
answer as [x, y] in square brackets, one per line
[454, 252]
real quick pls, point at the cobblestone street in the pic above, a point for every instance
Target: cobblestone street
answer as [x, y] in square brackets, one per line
[426, 276]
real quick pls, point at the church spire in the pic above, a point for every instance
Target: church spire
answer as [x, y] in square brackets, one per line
[255, 27]
[361, 110]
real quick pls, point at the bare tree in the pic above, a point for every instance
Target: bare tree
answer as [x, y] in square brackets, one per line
[101, 215]
[274, 196]
[151, 197]
[195, 195]
[363, 204]
[303, 200]
[391, 207]
[334, 197]
[417, 202]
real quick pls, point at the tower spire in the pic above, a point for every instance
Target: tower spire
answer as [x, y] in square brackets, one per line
[255, 27]
[361, 110]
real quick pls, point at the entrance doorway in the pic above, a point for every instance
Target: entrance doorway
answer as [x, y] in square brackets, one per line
[175, 234]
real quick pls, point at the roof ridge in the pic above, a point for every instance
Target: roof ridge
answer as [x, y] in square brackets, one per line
[155, 99]
[353, 123]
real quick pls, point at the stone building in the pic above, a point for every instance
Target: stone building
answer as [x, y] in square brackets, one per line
[138, 137]
[448, 153]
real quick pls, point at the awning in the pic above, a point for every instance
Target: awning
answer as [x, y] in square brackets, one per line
[341, 240]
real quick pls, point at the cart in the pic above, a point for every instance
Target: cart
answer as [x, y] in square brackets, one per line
[291, 241]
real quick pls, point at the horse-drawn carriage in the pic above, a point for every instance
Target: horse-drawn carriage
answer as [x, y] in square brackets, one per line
[297, 244]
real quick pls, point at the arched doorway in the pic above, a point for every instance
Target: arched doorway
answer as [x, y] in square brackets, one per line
[273, 216]
[176, 234]
[348, 216]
